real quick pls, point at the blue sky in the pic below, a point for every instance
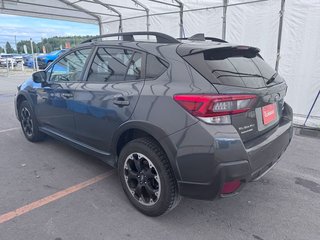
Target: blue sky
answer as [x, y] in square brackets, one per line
[36, 28]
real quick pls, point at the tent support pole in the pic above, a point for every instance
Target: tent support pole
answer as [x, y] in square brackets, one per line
[181, 18]
[56, 7]
[188, 10]
[280, 34]
[113, 10]
[148, 21]
[100, 28]
[111, 5]
[82, 10]
[309, 113]
[224, 19]
[181, 11]
[120, 24]
[147, 13]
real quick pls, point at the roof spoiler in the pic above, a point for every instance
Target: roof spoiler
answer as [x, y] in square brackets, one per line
[185, 49]
[201, 37]
[231, 51]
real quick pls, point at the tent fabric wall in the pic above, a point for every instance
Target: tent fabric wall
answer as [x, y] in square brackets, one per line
[300, 54]
[255, 25]
[206, 21]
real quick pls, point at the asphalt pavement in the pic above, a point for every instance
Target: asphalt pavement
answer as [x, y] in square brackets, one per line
[50, 190]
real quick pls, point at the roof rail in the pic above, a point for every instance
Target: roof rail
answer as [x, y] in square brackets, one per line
[129, 36]
[201, 37]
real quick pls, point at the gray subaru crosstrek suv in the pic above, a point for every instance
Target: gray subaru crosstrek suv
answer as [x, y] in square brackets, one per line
[195, 117]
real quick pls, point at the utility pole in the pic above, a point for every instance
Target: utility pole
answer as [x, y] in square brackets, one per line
[32, 53]
[15, 42]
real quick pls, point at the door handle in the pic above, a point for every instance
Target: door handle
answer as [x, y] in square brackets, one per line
[120, 101]
[67, 95]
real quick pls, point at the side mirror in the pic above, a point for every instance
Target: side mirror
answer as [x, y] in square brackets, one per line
[39, 77]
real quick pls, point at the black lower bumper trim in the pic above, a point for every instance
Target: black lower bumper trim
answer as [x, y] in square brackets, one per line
[224, 172]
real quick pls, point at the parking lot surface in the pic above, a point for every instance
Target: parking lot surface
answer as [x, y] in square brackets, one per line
[60, 194]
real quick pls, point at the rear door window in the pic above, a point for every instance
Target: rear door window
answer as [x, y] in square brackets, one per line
[135, 68]
[110, 64]
[155, 66]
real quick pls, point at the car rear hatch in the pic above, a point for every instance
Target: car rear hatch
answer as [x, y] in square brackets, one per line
[240, 70]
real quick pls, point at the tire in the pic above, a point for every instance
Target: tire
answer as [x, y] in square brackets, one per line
[29, 123]
[156, 177]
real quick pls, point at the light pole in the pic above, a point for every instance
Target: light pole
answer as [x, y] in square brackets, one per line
[32, 54]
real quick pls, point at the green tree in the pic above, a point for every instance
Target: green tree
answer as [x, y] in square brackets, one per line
[48, 47]
[51, 44]
[9, 49]
[27, 43]
[20, 46]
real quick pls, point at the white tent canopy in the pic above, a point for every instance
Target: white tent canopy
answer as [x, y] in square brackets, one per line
[249, 22]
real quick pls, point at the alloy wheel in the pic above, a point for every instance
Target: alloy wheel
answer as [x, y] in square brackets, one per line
[26, 121]
[142, 179]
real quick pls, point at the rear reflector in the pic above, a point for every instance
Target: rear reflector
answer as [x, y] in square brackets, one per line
[230, 187]
[215, 109]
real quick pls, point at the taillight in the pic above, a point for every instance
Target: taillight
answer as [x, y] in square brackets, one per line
[230, 187]
[215, 109]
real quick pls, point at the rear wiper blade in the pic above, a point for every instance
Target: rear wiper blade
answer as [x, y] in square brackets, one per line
[238, 73]
[273, 77]
[242, 75]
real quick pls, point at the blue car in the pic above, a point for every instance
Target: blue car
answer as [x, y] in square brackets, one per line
[46, 59]
[26, 58]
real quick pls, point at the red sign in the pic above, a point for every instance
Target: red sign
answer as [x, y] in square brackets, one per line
[269, 113]
[67, 44]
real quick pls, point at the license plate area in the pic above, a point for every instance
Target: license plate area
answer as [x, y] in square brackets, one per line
[265, 116]
[269, 113]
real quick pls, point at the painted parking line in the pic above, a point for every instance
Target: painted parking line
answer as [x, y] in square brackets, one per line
[51, 198]
[9, 129]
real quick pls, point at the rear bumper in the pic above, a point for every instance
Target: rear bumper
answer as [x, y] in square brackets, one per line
[203, 174]
[224, 172]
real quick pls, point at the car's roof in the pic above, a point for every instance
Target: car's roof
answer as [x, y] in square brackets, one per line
[181, 47]
[150, 47]
[185, 46]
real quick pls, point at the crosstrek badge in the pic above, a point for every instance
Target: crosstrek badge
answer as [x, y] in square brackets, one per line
[268, 113]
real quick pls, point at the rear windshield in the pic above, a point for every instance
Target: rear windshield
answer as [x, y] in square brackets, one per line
[233, 67]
